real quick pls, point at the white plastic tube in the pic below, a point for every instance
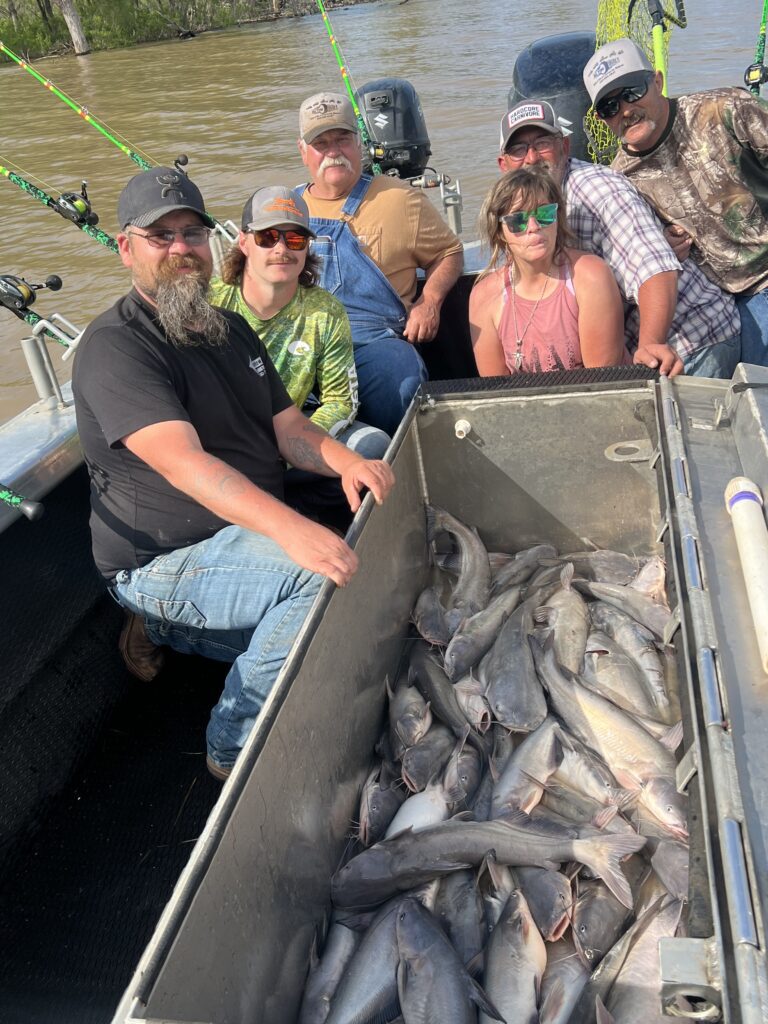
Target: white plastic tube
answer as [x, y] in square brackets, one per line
[745, 505]
[463, 428]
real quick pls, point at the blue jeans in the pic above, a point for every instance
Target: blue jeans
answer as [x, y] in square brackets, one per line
[718, 360]
[236, 597]
[389, 372]
[753, 310]
[366, 441]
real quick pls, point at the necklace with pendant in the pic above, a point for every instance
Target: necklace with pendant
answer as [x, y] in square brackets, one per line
[519, 338]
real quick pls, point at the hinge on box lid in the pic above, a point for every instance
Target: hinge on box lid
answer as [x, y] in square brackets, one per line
[686, 769]
[671, 627]
[711, 700]
[690, 969]
[737, 885]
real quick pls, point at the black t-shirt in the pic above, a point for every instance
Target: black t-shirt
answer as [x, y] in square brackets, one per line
[127, 376]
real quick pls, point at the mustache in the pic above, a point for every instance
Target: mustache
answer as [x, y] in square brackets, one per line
[334, 161]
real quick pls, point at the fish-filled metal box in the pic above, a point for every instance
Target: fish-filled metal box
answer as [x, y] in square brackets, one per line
[566, 554]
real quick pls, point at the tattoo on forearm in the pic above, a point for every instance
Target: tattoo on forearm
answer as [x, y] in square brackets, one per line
[303, 455]
[228, 483]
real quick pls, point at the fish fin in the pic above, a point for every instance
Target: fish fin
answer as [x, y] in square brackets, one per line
[554, 1000]
[596, 643]
[400, 975]
[602, 1016]
[566, 576]
[499, 874]
[605, 816]
[673, 737]
[474, 966]
[449, 562]
[478, 996]
[434, 526]
[627, 779]
[542, 615]
[602, 855]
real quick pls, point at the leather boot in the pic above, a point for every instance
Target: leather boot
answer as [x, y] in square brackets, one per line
[142, 658]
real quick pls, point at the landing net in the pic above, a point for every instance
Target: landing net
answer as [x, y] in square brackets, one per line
[617, 19]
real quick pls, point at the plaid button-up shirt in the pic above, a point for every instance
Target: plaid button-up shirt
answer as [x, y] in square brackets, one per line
[610, 219]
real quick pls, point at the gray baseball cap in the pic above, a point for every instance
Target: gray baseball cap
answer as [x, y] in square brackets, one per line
[273, 205]
[323, 111]
[150, 195]
[614, 66]
[538, 113]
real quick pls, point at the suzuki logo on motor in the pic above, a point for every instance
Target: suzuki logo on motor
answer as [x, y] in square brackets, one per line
[381, 120]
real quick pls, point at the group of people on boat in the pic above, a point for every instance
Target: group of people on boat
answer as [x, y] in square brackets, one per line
[213, 411]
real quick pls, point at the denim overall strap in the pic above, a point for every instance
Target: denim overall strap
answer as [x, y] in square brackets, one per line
[349, 273]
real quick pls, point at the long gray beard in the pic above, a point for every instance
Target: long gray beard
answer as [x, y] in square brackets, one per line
[185, 314]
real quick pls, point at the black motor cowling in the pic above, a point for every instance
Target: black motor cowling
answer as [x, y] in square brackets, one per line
[392, 111]
[551, 69]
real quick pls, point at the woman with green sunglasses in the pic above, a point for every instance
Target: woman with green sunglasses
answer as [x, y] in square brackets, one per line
[540, 305]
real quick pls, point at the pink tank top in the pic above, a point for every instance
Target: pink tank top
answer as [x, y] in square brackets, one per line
[550, 335]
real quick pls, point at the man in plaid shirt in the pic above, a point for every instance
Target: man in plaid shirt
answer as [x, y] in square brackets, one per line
[676, 317]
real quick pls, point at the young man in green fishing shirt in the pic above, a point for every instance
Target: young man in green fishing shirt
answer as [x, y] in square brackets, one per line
[269, 277]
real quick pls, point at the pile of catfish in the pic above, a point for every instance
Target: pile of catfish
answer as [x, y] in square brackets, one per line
[524, 844]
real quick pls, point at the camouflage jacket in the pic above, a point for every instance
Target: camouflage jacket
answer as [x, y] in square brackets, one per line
[709, 173]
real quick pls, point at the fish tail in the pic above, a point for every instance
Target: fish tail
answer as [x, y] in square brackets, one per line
[434, 521]
[603, 855]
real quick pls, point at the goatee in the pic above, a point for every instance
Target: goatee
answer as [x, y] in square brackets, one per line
[186, 316]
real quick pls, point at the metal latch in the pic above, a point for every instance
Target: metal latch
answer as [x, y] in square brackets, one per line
[690, 969]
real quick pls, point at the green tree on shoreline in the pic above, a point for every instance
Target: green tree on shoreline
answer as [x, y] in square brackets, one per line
[35, 28]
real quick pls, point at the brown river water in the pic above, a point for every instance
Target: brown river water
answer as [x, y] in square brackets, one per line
[230, 101]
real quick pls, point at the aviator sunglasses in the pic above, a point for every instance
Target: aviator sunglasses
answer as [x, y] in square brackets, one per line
[517, 222]
[610, 106]
[269, 237]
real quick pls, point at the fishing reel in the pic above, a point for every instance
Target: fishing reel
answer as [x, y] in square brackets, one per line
[17, 295]
[76, 206]
[755, 76]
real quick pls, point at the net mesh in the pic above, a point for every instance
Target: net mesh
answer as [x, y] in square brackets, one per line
[618, 19]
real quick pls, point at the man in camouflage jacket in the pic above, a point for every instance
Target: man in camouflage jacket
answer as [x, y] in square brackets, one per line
[701, 160]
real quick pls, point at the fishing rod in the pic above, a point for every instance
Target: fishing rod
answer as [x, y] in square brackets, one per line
[31, 509]
[376, 152]
[17, 295]
[145, 162]
[72, 206]
[757, 74]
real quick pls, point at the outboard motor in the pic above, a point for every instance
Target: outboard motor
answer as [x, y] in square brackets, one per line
[396, 125]
[551, 69]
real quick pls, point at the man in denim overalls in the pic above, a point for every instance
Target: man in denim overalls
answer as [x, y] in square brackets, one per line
[373, 234]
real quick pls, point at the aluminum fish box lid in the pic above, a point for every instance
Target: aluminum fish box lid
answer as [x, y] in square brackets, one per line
[637, 466]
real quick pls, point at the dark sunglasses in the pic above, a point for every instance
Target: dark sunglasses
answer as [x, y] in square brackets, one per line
[269, 237]
[517, 222]
[610, 106]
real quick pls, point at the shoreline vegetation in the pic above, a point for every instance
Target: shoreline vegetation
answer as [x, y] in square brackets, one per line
[49, 28]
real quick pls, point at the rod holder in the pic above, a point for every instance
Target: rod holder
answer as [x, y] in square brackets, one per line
[745, 506]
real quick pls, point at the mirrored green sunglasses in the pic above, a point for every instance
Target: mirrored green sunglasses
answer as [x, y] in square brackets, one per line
[517, 222]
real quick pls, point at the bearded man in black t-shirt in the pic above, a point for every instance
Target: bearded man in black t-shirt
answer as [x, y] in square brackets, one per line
[183, 421]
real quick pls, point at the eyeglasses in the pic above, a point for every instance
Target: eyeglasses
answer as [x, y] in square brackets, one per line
[193, 236]
[517, 222]
[610, 106]
[296, 241]
[543, 144]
